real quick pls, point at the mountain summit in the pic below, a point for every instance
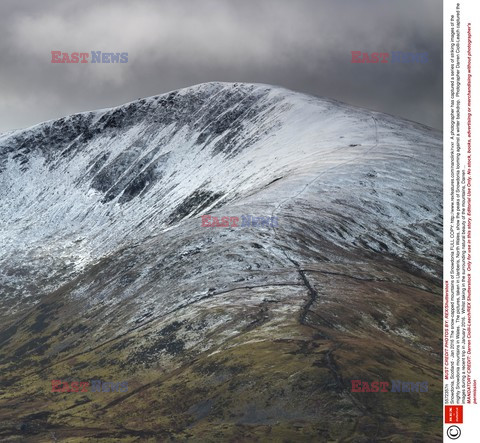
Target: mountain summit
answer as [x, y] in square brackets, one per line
[222, 332]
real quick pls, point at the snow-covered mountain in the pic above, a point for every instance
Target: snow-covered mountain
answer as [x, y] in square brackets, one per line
[107, 270]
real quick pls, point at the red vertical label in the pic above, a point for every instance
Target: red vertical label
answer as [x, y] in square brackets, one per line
[453, 414]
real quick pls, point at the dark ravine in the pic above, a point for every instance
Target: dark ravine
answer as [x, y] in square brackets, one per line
[223, 334]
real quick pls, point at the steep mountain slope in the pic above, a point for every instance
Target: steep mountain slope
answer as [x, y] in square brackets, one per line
[234, 333]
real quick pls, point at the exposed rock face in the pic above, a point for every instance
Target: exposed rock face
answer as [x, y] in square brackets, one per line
[223, 334]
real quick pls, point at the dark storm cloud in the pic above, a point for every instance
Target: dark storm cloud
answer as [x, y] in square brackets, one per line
[304, 45]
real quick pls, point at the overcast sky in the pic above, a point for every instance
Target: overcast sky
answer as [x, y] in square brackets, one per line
[304, 45]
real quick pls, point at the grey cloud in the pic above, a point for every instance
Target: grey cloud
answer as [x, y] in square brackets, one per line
[303, 45]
